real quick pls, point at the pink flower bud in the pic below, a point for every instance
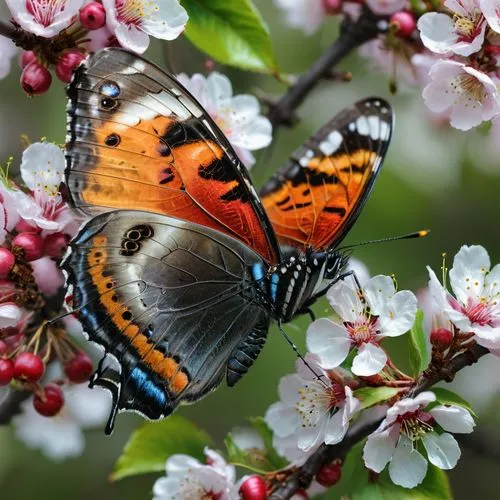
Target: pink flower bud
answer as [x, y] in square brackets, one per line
[7, 261]
[32, 245]
[35, 79]
[253, 488]
[25, 227]
[332, 7]
[28, 56]
[441, 338]
[55, 244]
[93, 16]
[404, 22]
[67, 63]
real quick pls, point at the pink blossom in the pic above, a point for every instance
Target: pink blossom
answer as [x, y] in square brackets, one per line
[491, 11]
[7, 52]
[48, 276]
[3, 223]
[44, 17]
[10, 315]
[133, 21]
[386, 7]
[462, 34]
[307, 15]
[469, 95]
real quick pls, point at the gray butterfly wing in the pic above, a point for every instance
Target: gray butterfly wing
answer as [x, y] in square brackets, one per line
[174, 302]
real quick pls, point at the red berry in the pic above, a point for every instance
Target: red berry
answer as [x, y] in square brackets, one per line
[329, 474]
[254, 488]
[56, 244]
[32, 245]
[35, 79]
[28, 56]
[404, 22]
[79, 368]
[93, 16]
[7, 261]
[50, 402]
[28, 366]
[6, 371]
[332, 7]
[25, 227]
[441, 337]
[67, 63]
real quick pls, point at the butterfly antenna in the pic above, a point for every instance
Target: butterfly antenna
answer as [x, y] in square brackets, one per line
[409, 236]
[294, 347]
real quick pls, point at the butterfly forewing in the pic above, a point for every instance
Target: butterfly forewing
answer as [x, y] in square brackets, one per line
[318, 194]
[137, 139]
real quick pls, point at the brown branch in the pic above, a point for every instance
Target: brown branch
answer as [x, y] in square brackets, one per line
[352, 35]
[325, 454]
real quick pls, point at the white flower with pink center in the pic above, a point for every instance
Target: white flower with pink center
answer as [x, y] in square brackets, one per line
[312, 411]
[409, 422]
[462, 34]
[365, 322]
[476, 305]
[238, 116]
[491, 11]
[188, 478]
[44, 17]
[469, 95]
[307, 15]
[133, 21]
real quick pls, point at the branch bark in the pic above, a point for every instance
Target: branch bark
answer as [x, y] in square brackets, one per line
[327, 453]
[352, 35]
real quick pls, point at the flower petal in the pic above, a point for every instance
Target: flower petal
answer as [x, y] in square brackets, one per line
[378, 291]
[398, 314]
[442, 450]
[282, 419]
[336, 428]
[453, 418]
[379, 448]
[370, 360]
[328, 341]
[132, 38]
[344, 299]
[408, 467]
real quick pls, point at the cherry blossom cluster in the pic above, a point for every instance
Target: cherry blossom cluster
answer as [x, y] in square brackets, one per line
[63, 32]
[449, 48]
[35, 227]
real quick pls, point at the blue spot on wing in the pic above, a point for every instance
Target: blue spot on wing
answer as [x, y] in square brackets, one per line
[257, 271]
[274, 285]
[141, 379]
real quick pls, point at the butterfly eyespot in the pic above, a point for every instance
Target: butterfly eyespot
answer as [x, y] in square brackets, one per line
[108, 103]
[133, 235]
[164, 149]
[131, 246]
[110, 89]
[112, 140]
[126, 315]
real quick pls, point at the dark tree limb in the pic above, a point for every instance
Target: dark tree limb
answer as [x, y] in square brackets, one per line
[325, 454]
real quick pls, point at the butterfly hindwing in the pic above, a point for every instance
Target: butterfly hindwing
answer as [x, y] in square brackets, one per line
[318, 194]
[174, 302]
[137, 139]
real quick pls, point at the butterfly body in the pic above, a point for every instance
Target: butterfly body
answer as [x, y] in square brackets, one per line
[183, 266]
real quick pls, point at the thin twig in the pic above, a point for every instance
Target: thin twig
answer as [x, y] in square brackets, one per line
[325, 454]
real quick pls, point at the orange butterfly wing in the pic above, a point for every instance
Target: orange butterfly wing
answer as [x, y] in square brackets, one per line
[137, 139]
[318, 194]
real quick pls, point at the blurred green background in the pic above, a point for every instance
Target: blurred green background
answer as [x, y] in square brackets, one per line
[434, 178]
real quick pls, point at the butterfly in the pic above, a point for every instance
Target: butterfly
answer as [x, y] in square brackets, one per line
[183, 265]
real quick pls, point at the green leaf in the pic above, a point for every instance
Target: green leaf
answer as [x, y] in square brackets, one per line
[435, 486]
[230, 32]
[371, 396]
[446, 397]
[275, 460]
[419, 354]
[151, 444]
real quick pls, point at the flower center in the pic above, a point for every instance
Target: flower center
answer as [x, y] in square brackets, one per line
[44, 11]
[192, 489]
[134, 11]
[479, 311]
[467, 28]
[415, 424]
[469, 85]
[363, 330]
[316, 399]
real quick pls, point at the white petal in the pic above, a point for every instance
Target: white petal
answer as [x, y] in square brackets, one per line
[283, 420]
[310, 437]
[437, 32]
[379, 448]
[329, 341]
[336, 428]
[166, 488]
[398, 314]
[453, 418]
[369, 360]
[289, 387]
[10, 315]
[378, 291]
[180, 463]
[219, 89]
[468, 272]
[42, 167]
[408, 467]
[254, 135]
[443, 450]
[344, 299]
[247, 438]
[132, 38]
[168, 21]
[245, 108]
